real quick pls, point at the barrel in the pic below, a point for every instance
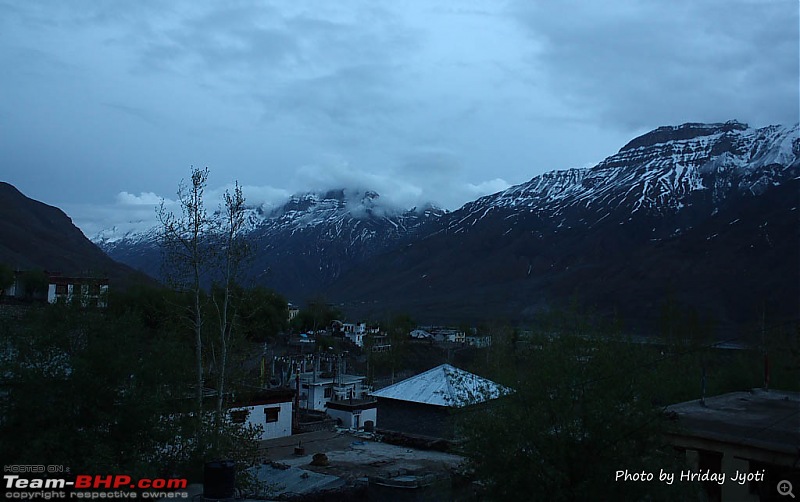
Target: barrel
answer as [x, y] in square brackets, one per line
[219, 479]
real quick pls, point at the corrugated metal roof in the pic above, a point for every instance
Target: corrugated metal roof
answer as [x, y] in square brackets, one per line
[444, 385]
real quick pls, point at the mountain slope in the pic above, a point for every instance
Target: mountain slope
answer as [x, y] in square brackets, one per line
[303, 245]
[35, 235]
[703, 214]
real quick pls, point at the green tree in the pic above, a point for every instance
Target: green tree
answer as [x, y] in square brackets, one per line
[581, 409]
[398, 329]
[82, 388]
[262, 314]
[317, 314]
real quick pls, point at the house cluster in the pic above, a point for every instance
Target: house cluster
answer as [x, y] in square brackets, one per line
[359, 334]
[422, 405]
[440, 334]
[371, 337]
[53, 287]
[356, 333]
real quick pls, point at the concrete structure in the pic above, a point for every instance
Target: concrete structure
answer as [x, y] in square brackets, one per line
[480, 342]
[421, 334]
[271, 410]
[354, 463]
[439, 334]
[88, 291]
[355, 332]
[380, 343]
[316, 391]
[426, 404]
[741, 433]
[293, 310]
[354, 414]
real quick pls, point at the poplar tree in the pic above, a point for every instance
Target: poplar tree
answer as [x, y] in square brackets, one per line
[185, 256]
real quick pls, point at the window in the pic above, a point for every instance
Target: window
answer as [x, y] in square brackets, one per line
[239, 416]
[328, 391]
[271, 414]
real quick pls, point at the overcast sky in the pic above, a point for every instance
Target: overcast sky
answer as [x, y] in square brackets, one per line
[104, 105]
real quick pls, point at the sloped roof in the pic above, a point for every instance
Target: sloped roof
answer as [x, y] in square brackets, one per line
[444, 385]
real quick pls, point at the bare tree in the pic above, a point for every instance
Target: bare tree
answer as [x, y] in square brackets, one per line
[233, 250]
[185, 256]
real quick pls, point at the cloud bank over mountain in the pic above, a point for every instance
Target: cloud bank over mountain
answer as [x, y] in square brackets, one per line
[424, 102]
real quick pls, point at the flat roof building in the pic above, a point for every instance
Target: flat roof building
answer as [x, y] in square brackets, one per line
[742, 433]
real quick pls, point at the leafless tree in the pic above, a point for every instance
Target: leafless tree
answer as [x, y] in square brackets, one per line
[233, 249]
[185, 256]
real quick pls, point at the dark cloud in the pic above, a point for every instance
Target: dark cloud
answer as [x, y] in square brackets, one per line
[641, 64]
[417, 101]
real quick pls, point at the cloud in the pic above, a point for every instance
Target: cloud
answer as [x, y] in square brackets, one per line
[420, 103]
[338, 173]
[144, 198]
[642, 64]
[487, 187]
[132, 213]
[425, 176]
[264, 196]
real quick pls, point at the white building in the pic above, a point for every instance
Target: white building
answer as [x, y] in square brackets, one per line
[293, 310]
[420, 334]
[355, 332]
[356, 414]
[270, 410]
[88, 291]
[316, 391]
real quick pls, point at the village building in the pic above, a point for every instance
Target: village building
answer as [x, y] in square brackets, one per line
[439, 334]
[357, 332]
[269, 409]
[380, 343]
[479, 341]
[317, 389]
[428, 404]
[88, 291]
[421, 334]
[57, 288]
[355, 414]
[755, 434]
[293, 310]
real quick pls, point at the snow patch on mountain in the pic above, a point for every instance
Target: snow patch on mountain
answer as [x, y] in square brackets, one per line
[358, 213]
[656, 174]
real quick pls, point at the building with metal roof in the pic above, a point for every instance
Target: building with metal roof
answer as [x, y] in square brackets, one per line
[426, 404]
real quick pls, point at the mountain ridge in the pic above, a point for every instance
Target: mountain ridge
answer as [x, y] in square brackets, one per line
[532, 246]
[535, 245]
[35, 235]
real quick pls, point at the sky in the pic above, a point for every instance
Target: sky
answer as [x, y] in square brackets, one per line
[105, 105]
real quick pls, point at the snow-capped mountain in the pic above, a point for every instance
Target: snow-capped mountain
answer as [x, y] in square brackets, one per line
[703, 215]
[704, 212]
[658, 174]
[302, 245]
